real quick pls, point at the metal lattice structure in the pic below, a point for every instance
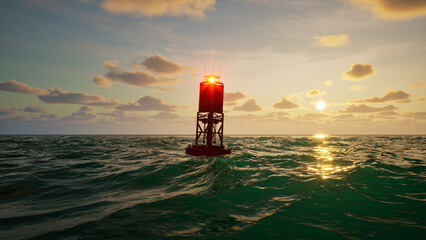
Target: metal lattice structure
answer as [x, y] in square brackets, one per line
[209, 127]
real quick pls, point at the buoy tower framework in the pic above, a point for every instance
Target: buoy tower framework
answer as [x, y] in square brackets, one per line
[210, 120]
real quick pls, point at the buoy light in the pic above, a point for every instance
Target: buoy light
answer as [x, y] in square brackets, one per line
[212, 79]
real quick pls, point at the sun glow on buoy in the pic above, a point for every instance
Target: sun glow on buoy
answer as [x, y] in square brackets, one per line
[320, 105]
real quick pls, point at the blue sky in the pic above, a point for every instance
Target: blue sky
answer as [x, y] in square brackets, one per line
[365, 59]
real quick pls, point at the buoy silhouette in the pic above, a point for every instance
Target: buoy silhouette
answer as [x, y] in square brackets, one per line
[210, 119]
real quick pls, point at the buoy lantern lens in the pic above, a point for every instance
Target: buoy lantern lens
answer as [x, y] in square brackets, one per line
[212, 79]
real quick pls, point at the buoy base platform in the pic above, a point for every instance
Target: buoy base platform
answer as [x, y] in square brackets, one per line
[204, 150]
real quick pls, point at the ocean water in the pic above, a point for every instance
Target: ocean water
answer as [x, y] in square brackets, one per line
[270, 187]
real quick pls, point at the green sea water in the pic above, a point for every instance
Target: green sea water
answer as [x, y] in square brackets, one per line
[270, 187]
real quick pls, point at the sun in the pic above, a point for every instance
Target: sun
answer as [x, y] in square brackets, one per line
[320, 105]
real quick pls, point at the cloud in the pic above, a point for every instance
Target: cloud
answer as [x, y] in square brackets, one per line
[359, 71]
[160, 65]
[148, 103]
[164, 89]
[311, 116]
[166, 116]
[416, 115]
[114, 113]
[156, 64]
[343, 116]
[47, 117]
[332, 40]
[6, 113]
[418, 85]
[356, 88]
[249, 106]
[233, 97]
[37, 109]
[102, 81]
[14, 86]
[111, 65]
[150, 8]
[230, 104]
[122, 116]
[388, 113]
[83, 114]
[86, 109]
[57, 96]
[390, 96]
[286, 104]
[394, 9]
[367, 109]
[139, 78]
[315, 93]
[328, 83]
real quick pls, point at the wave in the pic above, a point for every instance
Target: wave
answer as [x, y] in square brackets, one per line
[353, 187]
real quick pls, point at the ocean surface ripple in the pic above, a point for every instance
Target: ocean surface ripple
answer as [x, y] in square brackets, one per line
[270, 187]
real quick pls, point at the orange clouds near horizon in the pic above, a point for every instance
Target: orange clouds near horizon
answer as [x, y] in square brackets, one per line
[394, 9]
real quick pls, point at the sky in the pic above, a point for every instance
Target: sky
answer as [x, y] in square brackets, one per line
[134, 66]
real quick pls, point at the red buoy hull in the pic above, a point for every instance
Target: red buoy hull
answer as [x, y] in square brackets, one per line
[204, 150]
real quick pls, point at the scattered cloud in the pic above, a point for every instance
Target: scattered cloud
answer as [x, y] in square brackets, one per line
[416, 115]
[394, 9]
[57, 96]
[418, 85]
[328, 83]
[233, 97]
[315, 93]
[359, 71]
[122, 116]
[83, 114]
[47, 117]
[230, 104]
[86, 109]
[115, 113]
[148, 103]
[343, 116]
[390, 96]
[249, 106]
[332, 40]
[357, 88]
[153, 76]
[139, 78]
[311, 116]
[102, 81]
[192, 8]
[6, 113]
[166, 116]
[37, 109]
[366, 109]
[420, 99]
[112, 65]
[285, 104]
[14, 86]
[160, 65]
[388, 113]
[164, 89]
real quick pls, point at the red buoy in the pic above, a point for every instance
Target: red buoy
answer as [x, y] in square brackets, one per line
[210, 119]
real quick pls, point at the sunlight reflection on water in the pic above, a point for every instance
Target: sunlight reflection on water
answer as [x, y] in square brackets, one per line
[326, 166]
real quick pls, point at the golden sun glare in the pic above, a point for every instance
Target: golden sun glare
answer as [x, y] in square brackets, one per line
[320, 105]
